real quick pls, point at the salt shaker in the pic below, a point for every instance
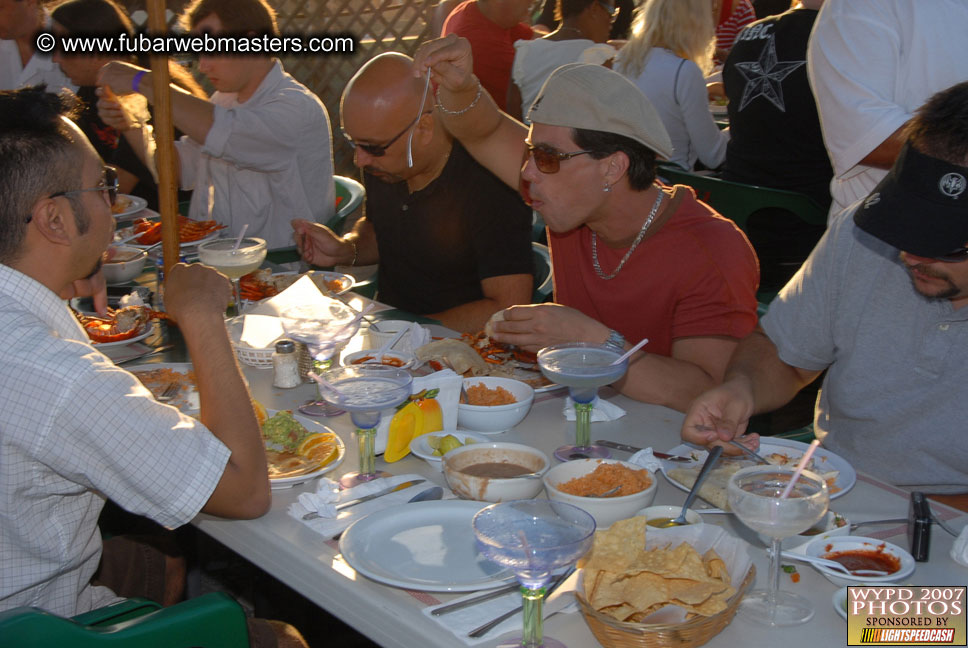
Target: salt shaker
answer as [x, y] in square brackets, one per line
[285, 365]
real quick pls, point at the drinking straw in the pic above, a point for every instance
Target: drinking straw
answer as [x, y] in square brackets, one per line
[238, 241]
[803, 463]
[641, 343]
[325, 383]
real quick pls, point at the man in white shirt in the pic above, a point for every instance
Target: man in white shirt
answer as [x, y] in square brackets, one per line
[74, 428]
[259, 151]
[871, 64]
[20, 64]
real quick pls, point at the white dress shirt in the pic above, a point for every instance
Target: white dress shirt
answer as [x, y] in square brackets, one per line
[74, 431]
[40, 68]
[264, 162]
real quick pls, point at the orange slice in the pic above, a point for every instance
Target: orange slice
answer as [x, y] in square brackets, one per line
[321, 447]
[260, 411]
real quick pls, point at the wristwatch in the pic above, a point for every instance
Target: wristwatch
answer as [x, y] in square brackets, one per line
[615, 340]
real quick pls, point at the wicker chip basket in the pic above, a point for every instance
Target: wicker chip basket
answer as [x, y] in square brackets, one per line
[254, 357]
[612, 633]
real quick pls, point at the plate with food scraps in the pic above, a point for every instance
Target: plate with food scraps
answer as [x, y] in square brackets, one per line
[496, 359]
[126, 206]
[427, 546]
[289, 458]
[157, 378]
[265, 283]
[424, 445]
[211, 227]
[836, 470]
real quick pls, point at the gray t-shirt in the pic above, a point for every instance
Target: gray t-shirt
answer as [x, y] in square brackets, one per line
[893, 402]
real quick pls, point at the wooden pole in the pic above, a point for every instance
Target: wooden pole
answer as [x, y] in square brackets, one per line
[164, 139]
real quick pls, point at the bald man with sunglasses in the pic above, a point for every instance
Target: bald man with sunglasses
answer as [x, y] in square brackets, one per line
[632, 258]
[452, 242]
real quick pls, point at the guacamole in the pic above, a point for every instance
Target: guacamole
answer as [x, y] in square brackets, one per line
[284, 430]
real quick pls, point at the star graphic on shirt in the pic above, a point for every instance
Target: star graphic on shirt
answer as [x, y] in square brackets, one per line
[764, 77]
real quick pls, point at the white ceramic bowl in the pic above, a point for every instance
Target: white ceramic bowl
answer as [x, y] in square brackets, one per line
[495, 418]
[399, 358]
[822, 546]
[667, 511]
[388, 328]
[130, 263]
[493, 489]
[421, 446]
[605, 510]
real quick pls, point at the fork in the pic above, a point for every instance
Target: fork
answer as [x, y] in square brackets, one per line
[170, 392]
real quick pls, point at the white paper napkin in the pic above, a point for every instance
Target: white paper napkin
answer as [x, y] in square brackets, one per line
[646, 459]
[603, 410]
[328, 495]
[415, 337]
[449, 384]
[460, 622]
[959, 550]
[261, 325]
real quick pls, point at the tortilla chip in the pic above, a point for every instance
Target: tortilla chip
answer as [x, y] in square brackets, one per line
[692, 592]
[614, 549]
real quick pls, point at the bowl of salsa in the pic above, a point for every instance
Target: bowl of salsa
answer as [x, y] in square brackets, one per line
[858, 552]
[495, 471]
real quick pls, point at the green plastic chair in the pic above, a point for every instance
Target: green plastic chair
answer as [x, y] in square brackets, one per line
[738, 202]
[542, 273]
[352, 193]
[213, 620]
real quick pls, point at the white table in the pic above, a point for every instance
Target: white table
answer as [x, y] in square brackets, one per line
[300, 558]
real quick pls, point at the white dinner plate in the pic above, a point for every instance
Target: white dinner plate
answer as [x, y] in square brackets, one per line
[184, 245]
[422, 449]
[135, 205]
[427, 546]
[823, 461]
[312, 426]
[149, 329]
[840, 602]
[346, 281]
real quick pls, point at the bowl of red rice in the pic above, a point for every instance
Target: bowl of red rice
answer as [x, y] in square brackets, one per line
[493, 404]
[582, 481]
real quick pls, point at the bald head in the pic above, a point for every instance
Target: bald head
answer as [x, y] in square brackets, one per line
[384, 88]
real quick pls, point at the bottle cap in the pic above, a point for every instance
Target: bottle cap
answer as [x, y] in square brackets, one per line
[285, 346]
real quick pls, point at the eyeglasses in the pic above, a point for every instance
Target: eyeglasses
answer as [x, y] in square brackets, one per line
[955, 256]
[547, 159]
[611, 9]
[108, 186]
[379, 150]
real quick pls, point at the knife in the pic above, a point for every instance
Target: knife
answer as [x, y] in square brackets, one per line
[381, 493]
[479, 632]
[147, 353]
[627, 448]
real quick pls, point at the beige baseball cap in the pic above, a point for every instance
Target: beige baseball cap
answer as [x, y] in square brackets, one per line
[593, 97]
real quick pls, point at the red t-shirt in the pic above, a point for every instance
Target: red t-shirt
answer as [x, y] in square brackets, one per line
[492, 47]
[696, 276]
[731, 22]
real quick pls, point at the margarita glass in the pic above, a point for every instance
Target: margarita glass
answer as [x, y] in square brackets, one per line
[533, 538]
[365, 391]
[754, 496]
[233, 262]
[324, 328]
[583, 368]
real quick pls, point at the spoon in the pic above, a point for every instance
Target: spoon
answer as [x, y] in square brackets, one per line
[831, 564]
[432, 493]
[707, 468]
[378, 356]
[610, 491]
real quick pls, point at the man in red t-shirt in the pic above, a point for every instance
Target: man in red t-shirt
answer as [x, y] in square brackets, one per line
[492, 26]
[632, 258]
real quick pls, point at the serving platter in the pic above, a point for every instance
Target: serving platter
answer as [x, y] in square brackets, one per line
[824, 461]
[427, 546]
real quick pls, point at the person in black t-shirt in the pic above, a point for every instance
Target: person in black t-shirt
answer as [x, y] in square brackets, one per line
[775, 133]
[451, 240]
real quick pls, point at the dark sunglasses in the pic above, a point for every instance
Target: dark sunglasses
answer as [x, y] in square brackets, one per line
[379, 150]
[611, 9]
[547, 159]
[955, 256]
[109, 186]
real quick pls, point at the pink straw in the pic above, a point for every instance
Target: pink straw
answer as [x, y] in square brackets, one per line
[803, 462]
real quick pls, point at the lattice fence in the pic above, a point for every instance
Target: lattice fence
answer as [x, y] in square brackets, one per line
[378, 26]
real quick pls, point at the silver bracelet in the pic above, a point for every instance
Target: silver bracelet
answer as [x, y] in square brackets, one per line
[615, 340]
[477, 97]
[356, 251]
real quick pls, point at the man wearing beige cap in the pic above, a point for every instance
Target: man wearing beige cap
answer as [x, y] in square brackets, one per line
[632, 259]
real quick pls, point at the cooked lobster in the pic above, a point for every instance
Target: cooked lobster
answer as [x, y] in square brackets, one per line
[120, 324]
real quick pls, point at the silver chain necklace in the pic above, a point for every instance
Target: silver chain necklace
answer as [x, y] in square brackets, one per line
[635, 243]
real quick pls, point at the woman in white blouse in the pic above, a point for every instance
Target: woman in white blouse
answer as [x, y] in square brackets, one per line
[666, 57]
